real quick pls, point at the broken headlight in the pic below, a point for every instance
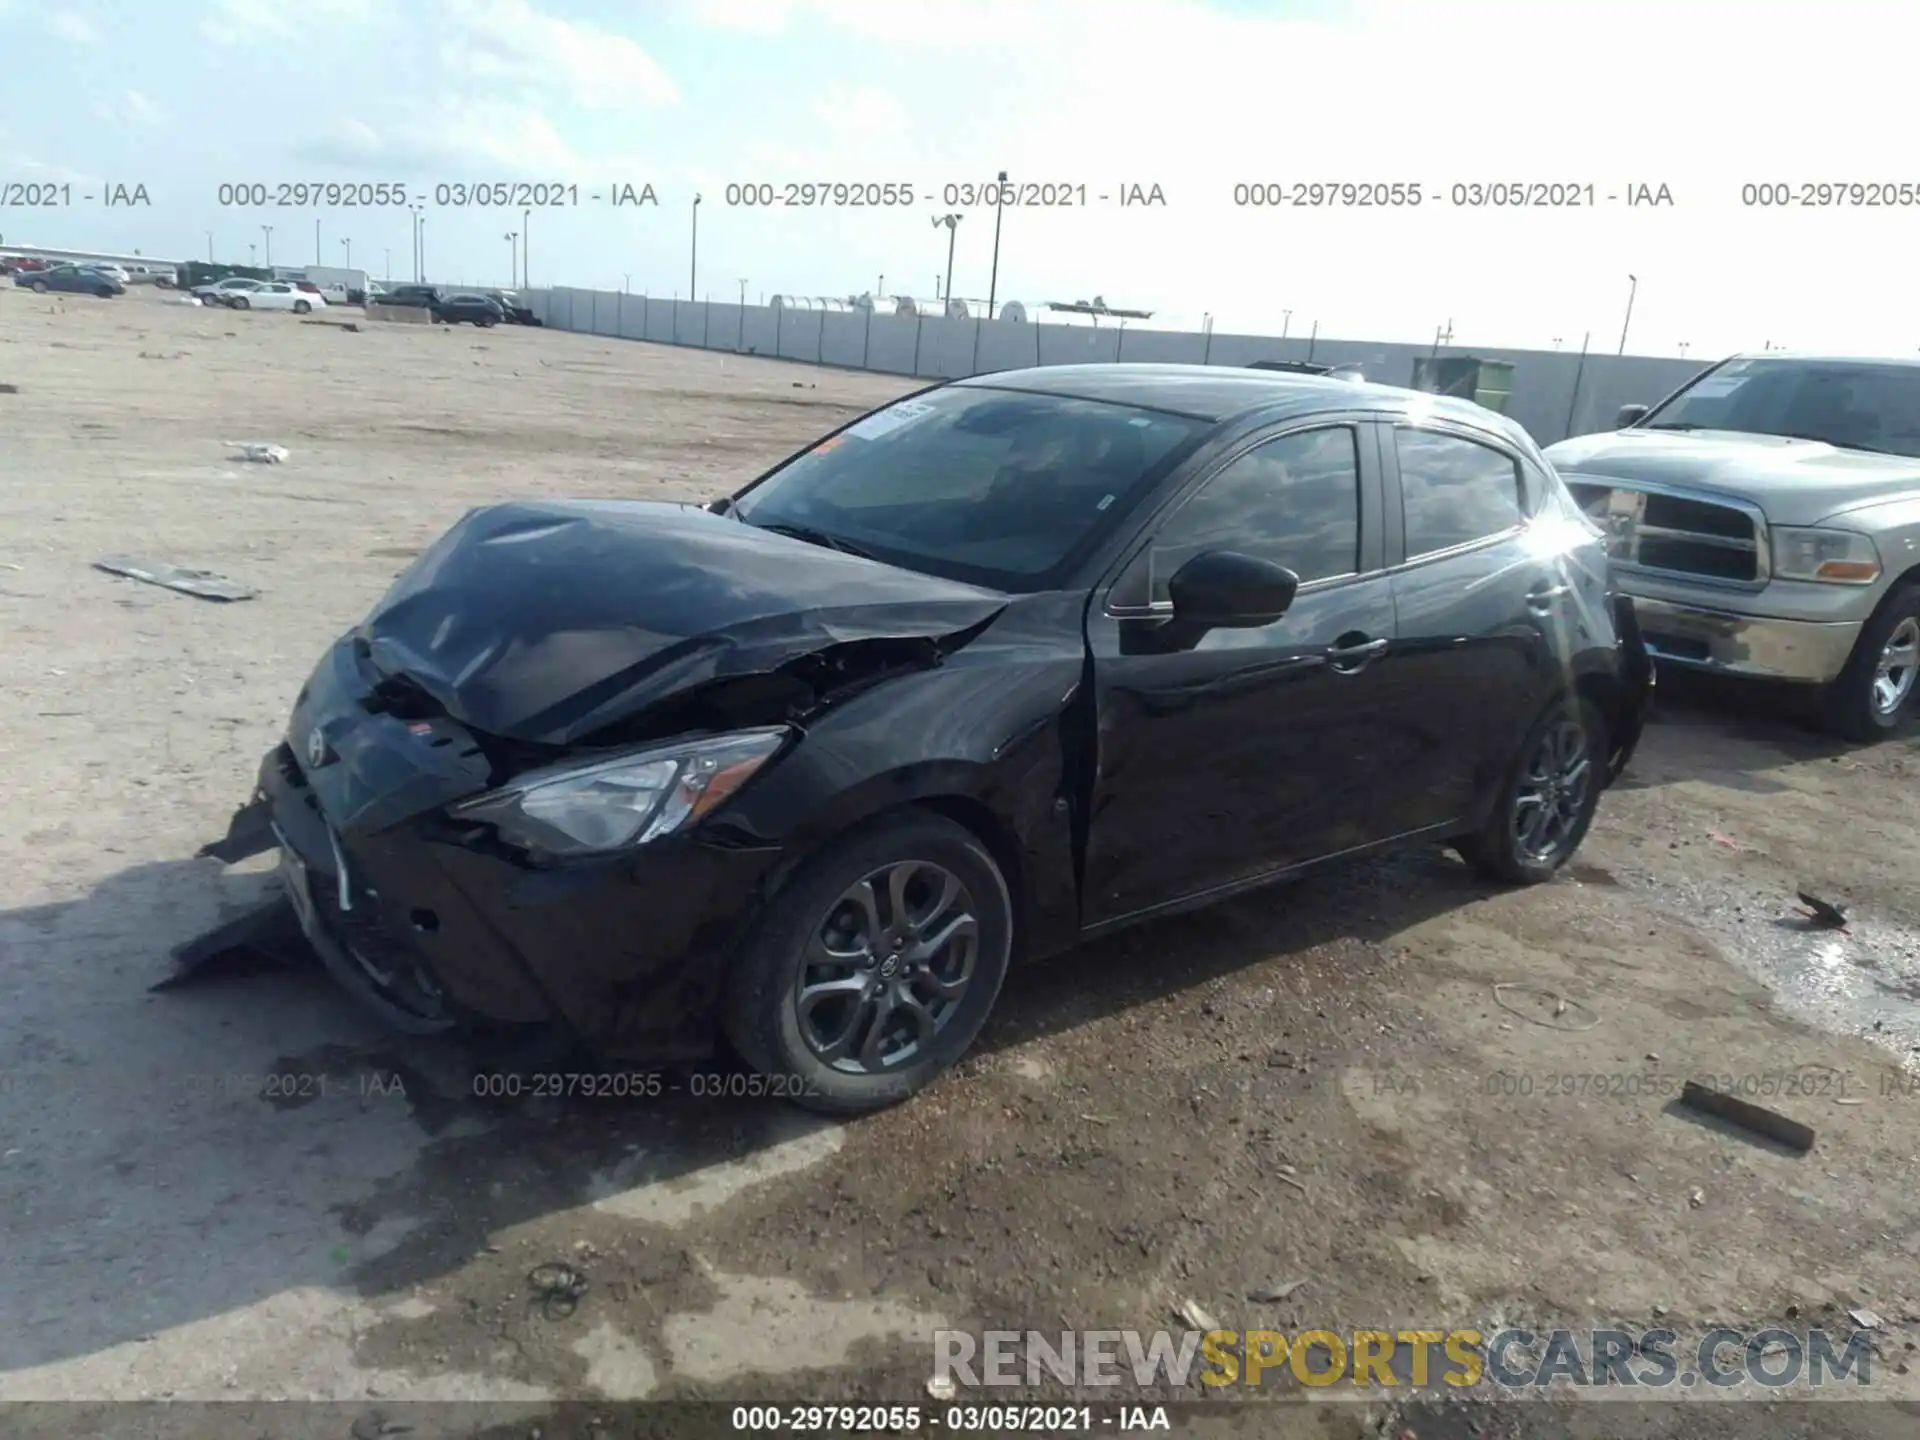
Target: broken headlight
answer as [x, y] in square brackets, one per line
[604, 805]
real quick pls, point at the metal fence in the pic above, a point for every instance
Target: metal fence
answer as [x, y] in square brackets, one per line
[1556, 393]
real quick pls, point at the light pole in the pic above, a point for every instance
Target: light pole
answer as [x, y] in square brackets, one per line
[389, 267]
[513, 259]
[693, 254]
[423, 247]
[346, 243]
[413, 238]
[1286, 319]
[952, 222]
[993, 282]
[526, 239]
[267, 230]
[743, 294]
[316, 241]
[253, 252]
[209, 247]
[1683, 349]
[1633, 284]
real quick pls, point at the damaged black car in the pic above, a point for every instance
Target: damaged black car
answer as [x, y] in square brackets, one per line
[1001, 666]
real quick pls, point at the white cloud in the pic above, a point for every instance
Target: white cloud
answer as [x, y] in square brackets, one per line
[73, 27]
[510, 41]
[458, 139]
[240, 22]
[130, 109]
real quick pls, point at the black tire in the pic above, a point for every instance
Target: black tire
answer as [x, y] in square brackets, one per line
[1850, 707]
[39, 287]
[239, 302]
[1498, 850]
[763, 1015]
[301, 307]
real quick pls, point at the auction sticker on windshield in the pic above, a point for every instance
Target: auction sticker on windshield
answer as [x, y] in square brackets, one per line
[1716, 387]
[887, 421]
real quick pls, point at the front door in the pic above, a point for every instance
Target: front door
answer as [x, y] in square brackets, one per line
[1249, 750]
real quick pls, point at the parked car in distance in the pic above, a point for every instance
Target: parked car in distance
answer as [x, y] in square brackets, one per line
[516, 311]
[470, 308]
[117, 272]
[1003, 665]
[71, 279]
[277, 295]
[1766, 518]
[419, 297]
[222, 292]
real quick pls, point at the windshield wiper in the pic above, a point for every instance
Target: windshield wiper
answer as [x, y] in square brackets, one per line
[815, 537]
[1671, 425]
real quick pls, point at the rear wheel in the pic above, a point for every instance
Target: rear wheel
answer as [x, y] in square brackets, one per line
[301, 307]
[1874, 694]
[39, 287]
[1548, 801]
[240, 302]
[874, 967]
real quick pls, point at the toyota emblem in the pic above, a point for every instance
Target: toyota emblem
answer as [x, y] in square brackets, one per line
[316, 749]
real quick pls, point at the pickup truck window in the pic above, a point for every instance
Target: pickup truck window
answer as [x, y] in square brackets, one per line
[1856, 405]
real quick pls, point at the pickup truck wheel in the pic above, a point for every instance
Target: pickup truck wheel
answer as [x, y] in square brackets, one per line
[1874, 694]
[1548, 801]
[873, 967]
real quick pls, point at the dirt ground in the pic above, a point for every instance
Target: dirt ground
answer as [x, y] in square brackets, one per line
[1324, 1084]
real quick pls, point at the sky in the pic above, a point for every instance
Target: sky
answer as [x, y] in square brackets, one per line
[441, 98]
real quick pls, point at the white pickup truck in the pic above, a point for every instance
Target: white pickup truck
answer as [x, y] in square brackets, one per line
[1765, 518]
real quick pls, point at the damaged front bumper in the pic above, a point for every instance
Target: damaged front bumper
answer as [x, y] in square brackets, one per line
[434, 926]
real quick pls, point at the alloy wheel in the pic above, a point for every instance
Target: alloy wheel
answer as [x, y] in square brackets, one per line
[1893, 674]
[888, 968]
[1553, 791]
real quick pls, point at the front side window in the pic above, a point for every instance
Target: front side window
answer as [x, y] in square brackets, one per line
[1294, 501]
[998, 487]
[1454, 491]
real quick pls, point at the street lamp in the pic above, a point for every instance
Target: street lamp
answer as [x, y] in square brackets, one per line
[317, 258]
[513, 261]
[209, 247]
[526, 239]
[413, 237]
[389, 267]
[1633, 284]
[952, 222]
[743, 294]
[993, 282]
[346, 242]
[423, 246]
[693, 255]
[1286, 319]
[267, 230]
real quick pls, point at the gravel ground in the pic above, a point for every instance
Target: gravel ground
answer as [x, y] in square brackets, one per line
[1321, 1084]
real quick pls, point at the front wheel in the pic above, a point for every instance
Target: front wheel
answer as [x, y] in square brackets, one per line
[1548, 801]
[239, 302]
[301, 307]
[1874, 693]
[39, 287]
[873, 968]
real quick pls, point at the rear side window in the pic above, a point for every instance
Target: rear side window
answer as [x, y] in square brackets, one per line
[1294, 501]
[1454, 491]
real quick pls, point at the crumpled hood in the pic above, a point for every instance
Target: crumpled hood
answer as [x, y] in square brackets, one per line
[547, 621]
[1796, 482]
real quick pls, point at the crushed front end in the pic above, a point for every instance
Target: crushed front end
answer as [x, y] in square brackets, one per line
[434, 923]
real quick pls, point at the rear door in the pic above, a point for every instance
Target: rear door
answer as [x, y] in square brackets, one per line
[1477, 604]
[1251, 750]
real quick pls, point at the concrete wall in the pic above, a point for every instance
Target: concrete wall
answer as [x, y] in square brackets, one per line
[1544, 395]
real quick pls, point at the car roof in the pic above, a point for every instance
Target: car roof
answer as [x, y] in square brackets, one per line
[1225, 392]
[1818, 358]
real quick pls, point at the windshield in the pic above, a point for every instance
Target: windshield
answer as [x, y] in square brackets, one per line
[995, 487]
[1857, 405]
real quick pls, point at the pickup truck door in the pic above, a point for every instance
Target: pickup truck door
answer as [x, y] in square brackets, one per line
[1248, 750]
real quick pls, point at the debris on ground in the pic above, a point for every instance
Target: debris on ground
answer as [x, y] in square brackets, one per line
[266, 936]
[1824, 914]
[258, 451]
[1275, 1294]
[375, 1426]
[557, 1288]
[1747, 1115]
[1556, 1019]
[1190, 1314]
[203, 583]
[1726, 840]
[1865, 1319]
[9, 389]
[1696, 1197]
[941, 1387]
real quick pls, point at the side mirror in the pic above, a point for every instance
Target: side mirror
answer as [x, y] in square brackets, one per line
[1630, 415]
[1219, 589]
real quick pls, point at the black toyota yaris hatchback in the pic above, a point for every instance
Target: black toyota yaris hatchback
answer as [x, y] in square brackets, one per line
[998, 667]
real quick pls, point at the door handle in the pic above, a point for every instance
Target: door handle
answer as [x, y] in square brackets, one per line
[1346, 659]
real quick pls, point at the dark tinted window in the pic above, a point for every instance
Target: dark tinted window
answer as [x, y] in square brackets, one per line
[1294, 501]
[1454, 491]
[999, 487]
[1853, 405]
